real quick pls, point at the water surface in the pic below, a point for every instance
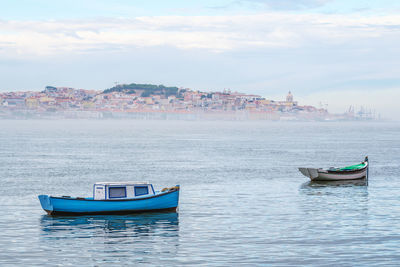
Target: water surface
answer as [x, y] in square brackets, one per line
[243, 201]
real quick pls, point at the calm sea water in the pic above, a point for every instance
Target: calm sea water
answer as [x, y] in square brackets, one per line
[243, 201]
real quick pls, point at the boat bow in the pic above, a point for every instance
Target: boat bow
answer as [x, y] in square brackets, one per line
[46, 203]
[309, 172]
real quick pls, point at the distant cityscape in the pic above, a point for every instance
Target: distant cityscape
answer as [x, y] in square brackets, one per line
[146, 101]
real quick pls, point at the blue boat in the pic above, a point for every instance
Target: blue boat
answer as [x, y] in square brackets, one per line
[114, 198]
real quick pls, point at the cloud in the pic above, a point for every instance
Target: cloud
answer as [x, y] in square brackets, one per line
[288, 4]
[212, 33]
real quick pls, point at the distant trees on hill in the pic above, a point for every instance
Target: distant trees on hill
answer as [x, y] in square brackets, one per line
[148, 89]
[50, 89]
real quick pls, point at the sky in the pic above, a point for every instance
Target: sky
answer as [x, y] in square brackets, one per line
[326, 52]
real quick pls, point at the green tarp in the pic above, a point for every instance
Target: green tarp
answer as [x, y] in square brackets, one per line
[353, 167]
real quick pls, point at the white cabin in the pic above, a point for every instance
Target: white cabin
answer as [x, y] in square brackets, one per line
[122, 190]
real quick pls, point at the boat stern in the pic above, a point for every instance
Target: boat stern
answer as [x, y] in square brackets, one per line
[46, 203]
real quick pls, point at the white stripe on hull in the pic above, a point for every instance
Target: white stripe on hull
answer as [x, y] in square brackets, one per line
[332, 176]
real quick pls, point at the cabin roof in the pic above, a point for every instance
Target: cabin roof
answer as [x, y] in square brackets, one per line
[120, 183]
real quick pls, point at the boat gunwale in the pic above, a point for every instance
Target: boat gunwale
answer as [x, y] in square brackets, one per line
[345, 171]
[114, 200]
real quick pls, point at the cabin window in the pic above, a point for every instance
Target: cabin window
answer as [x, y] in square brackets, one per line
[141, 190]
[117, 192]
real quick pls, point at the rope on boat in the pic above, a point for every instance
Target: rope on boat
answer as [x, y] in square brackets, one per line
[170, 188]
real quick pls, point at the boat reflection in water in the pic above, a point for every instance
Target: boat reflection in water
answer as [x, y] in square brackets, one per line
[340, 188]
[343, 183]
[110, 226]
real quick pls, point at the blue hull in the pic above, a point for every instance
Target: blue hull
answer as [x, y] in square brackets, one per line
[80, 206]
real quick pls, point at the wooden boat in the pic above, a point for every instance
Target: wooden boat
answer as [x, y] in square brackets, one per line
[358, 171]
[114, 198]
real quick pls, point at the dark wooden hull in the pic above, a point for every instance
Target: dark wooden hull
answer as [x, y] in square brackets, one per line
[123, 212]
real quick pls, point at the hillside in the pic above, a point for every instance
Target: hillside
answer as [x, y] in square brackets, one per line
[145, 90]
